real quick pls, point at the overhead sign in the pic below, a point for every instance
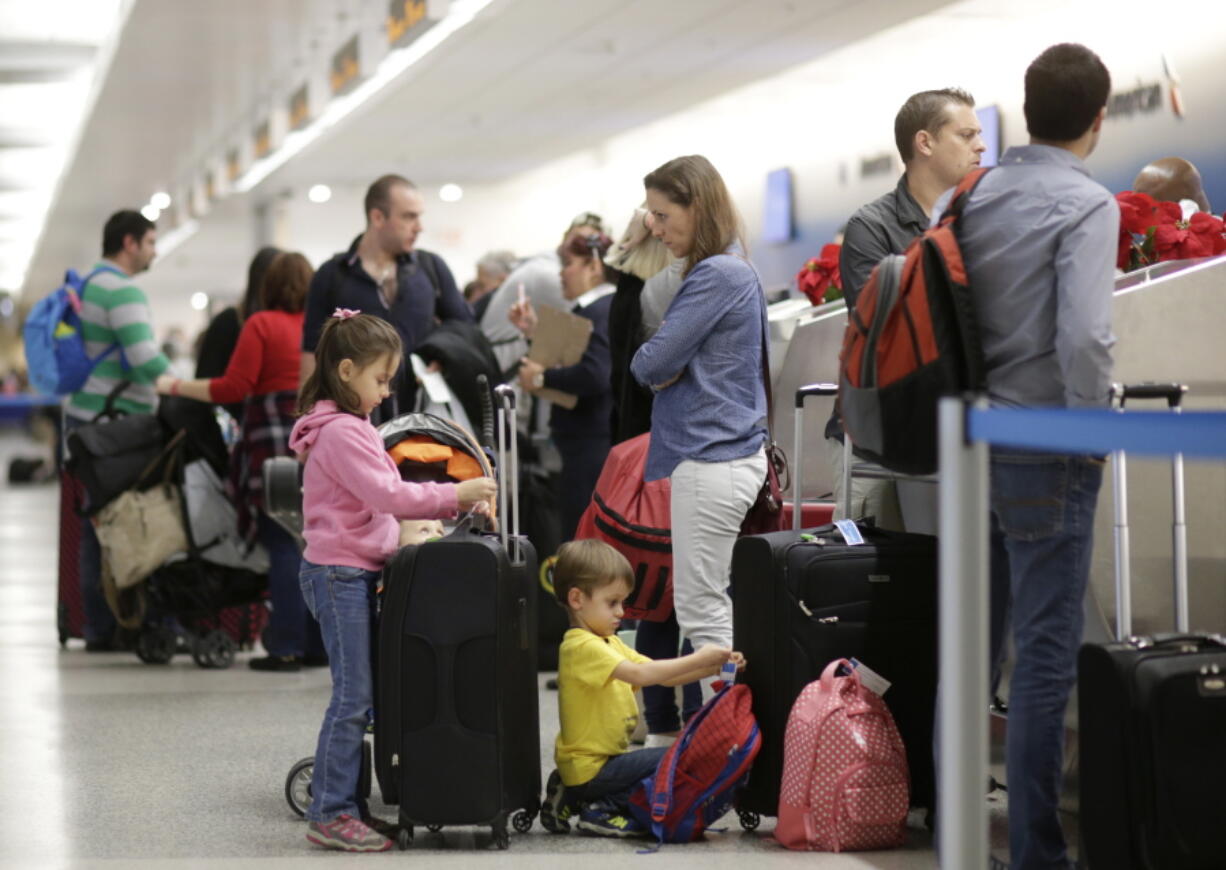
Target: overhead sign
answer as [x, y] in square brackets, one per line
[345, 70]
[406, 21]
[300, 108]
[1142, 99]
[262, 140]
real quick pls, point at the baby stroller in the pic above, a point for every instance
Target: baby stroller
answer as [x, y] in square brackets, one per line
[426, 448]
[206, 596]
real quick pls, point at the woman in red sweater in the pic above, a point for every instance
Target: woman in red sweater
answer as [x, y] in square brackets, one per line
[263, 376]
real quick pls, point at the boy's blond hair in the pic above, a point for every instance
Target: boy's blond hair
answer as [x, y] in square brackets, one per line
[587, 565]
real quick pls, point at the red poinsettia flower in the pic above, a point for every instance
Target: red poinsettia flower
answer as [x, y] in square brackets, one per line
[820, 274]
[1140, 211]
[1200, 236]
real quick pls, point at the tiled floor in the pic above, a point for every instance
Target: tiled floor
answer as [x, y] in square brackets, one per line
[106, 762]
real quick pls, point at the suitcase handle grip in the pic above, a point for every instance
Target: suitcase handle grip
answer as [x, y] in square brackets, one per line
[815, 390]
[1173, 393]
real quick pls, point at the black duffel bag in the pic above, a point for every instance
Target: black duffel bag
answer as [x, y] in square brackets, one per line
[109, 454]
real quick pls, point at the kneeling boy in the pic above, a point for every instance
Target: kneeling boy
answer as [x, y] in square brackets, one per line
[597, 676]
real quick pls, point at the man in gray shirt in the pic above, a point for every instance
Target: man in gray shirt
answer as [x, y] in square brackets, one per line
[938, 138]
[1039, 239]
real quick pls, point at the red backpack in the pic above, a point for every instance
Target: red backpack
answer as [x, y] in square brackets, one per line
[845, 781]
[697, 779]
[911, 339]
[634, 517]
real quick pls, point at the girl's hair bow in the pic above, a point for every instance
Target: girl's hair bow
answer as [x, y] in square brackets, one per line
[345, 313]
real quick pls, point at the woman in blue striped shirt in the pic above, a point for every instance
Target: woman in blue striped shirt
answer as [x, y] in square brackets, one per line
[708, 422]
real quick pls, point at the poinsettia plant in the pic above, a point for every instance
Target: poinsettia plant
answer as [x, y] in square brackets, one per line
[819, 277]
[1154, 232]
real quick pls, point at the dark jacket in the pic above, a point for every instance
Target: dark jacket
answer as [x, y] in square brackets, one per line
[426, 294]
[588, 379]
[631, 400]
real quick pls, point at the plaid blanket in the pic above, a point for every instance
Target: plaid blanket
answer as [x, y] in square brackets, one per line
[267, 421]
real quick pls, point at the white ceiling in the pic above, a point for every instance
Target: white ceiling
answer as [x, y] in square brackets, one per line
[526, 82]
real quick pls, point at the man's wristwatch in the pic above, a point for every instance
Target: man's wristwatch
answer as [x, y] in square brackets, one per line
[538, 380]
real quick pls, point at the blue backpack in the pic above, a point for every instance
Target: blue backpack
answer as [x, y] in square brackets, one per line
[55, 350]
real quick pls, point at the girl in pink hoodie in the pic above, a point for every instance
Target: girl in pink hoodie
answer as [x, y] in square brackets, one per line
[353, 497]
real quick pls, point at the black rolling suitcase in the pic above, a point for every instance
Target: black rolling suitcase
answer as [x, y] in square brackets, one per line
[457, 732]
[804, 598]
[1152, 727]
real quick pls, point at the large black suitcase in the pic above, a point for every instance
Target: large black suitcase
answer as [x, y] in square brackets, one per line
[457, 732]
[1152, 724]
[803, 598]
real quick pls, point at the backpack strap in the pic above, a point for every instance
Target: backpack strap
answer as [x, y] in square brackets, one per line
[961, 194]
[115, 345]
[431, 269]
[662, 797]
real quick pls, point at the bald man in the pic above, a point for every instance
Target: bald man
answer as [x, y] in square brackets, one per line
[1170, 180]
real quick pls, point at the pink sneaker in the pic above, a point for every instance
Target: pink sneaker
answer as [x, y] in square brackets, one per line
[347, 833]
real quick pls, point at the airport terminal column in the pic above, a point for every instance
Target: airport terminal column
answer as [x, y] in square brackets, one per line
[962, 813]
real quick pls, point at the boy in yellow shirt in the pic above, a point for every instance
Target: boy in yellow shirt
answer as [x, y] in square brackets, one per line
[597, 676]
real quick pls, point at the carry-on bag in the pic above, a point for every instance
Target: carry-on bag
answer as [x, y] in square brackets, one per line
[70, 610]
[802, 599]
[697, 780]
[1152, 710]
[457, 730]
[845, 784]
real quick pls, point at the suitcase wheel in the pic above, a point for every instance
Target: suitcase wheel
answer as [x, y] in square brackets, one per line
[404, 839]
[522, 821]
[214, 650]
[298, 785]
[156, 645]
[749, 821]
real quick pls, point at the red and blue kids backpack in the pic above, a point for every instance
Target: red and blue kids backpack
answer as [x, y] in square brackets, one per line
[699, 776]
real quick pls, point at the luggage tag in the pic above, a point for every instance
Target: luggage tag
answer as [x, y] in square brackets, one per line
[850, 532]
[871, 680]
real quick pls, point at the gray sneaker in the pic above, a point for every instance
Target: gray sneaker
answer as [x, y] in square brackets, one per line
[347, 833]
[554, 812]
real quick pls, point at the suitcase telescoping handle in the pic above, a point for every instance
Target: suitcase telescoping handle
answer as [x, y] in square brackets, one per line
[1173, 395]
[508, 472]
[798, 442]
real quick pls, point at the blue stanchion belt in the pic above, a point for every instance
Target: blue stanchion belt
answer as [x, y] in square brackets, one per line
[1195, 434]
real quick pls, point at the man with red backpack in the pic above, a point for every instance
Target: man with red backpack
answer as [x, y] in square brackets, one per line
[938, 138]
[1038, 237]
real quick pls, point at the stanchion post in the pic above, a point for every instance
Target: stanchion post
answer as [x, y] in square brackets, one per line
[962, 813]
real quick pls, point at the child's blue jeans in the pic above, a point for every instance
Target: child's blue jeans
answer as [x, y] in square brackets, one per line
[343, 600]
[609, 791]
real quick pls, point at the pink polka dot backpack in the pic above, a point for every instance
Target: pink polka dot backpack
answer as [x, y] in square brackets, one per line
[845, 781]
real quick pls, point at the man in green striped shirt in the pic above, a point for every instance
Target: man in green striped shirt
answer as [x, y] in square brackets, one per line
[114, 310]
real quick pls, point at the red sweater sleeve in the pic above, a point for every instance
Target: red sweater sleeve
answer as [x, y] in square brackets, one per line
[244, 369]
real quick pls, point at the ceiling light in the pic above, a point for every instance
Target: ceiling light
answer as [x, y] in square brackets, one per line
[151, 211]
[451, 193]
[319, 193]
[200, 301]
[160, 200]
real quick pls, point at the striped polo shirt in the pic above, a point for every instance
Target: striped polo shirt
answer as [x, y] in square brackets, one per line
[114, 309]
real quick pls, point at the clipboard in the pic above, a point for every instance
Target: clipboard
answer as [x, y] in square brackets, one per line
[560, 339]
